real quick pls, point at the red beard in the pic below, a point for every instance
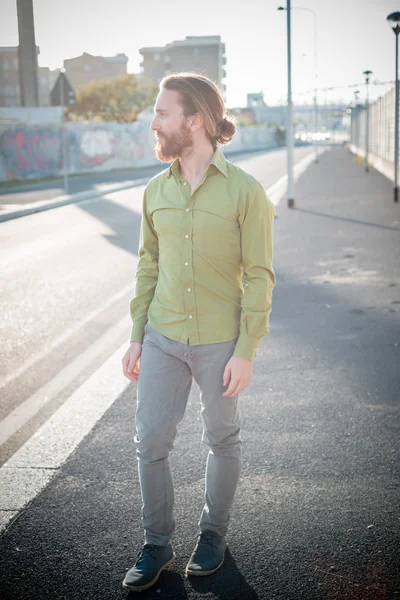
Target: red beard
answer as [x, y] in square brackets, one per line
[172, 146]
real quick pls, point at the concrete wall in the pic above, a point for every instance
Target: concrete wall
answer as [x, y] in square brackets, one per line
[31, 151]
[380, 133]
[33, 115]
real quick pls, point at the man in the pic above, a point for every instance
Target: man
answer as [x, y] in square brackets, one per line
[202, 301]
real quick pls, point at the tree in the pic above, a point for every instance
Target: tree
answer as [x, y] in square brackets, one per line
[118, 99]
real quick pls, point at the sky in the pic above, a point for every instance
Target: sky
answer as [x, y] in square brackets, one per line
[352, 36]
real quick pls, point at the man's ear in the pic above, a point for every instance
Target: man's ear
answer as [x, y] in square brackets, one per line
[196, 121]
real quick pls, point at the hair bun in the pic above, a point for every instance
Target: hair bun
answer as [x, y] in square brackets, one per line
[226, 129]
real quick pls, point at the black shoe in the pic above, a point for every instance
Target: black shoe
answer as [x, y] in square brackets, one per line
[151, 561]
[208, 554]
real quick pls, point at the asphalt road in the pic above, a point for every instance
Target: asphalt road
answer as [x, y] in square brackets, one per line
[66, 280]
[316, 514]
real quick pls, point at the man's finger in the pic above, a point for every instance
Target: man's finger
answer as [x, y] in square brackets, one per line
[129, 376]
[131, 365]
[240, 388]
[226, 377]
[232, 387]
[135, 371]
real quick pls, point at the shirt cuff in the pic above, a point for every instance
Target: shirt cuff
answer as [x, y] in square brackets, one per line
[137, 332]
[246, 346]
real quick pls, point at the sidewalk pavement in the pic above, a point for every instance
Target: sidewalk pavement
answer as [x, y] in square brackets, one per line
[18, 201]
[316, 512]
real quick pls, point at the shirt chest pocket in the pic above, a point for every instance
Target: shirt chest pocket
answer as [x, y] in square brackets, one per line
[217, 237]
[210, 223]
[167, 221]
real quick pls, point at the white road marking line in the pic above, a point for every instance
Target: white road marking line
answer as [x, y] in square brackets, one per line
[31, 406]
[69, 333]
[276, 192]
[31, 468]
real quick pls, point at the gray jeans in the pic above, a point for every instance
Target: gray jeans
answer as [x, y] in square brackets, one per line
[165, 379]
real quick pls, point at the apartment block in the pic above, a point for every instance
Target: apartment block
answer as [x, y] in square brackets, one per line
[86, 68]
[202, 54]
[10, 92]
[10, 88]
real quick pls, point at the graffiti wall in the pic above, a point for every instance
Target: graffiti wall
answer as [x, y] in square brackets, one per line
[32, 151]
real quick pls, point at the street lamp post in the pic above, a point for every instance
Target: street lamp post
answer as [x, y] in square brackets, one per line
[315, 99]
[289, 141]
[394, 21]
[367, 76]
[63, 140]
[289, 128]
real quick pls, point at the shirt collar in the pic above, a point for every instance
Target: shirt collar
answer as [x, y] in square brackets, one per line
[218, 160]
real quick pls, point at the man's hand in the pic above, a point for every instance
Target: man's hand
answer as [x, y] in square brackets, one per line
[131, 360]
[237, 373]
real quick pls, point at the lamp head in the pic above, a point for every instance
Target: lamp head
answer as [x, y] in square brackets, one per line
[366, 75]
[394, 21]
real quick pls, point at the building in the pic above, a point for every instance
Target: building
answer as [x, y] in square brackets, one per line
[79, 70]
[303, 114]
[204, 55]
[10, 92]
[10, 88]
[86, 68]
[244, 116]
[47, 79]
[269, 115]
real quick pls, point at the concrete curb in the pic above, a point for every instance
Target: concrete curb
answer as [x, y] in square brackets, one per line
[68, 199]
[32, 467]
[278, 189]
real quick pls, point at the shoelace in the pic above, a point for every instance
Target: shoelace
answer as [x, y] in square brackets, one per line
[146, 551]
[207, 538]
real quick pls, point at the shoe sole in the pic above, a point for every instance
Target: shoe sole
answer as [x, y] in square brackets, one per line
[203, 573]
[141, 588]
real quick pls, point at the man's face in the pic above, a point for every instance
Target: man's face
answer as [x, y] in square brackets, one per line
[174, 137]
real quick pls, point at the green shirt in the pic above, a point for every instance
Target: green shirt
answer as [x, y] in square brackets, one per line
[205, 270]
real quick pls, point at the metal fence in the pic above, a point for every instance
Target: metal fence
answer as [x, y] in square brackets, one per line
[380, 131]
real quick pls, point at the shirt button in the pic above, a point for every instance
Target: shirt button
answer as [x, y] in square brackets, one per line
[185, 183]
[186, 264]
[190, 316]
[187, 210]
[189, 289]
[186, 236]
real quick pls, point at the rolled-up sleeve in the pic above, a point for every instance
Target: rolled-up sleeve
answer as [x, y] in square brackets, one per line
[146, 275]
[256, 220]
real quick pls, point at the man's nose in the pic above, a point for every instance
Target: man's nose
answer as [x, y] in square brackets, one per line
[154, 125]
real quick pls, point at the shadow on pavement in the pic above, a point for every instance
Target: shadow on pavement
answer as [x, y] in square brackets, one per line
[170, 586]
[346, 219]
[227, 582]
[123, 221]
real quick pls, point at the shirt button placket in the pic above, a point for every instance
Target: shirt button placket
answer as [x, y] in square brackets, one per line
[189, 278]
[186, 257]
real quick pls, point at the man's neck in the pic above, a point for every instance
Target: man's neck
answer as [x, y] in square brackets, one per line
[194, 165]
